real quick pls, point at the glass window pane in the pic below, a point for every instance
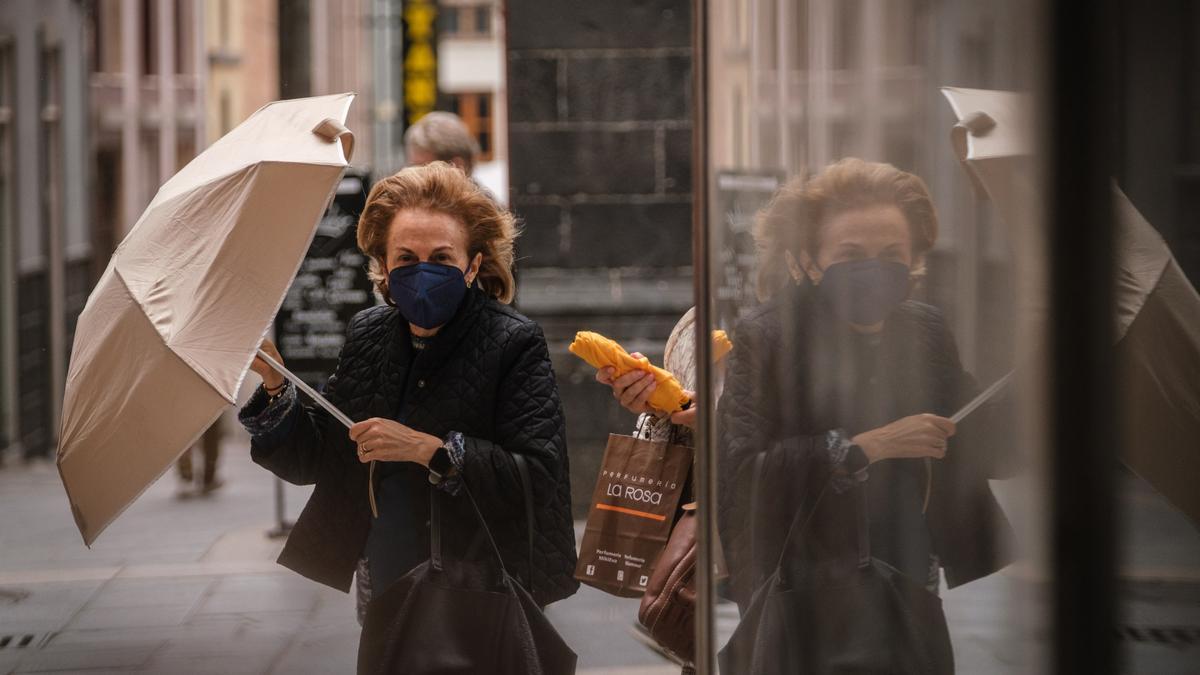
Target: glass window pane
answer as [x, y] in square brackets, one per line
[868, 291]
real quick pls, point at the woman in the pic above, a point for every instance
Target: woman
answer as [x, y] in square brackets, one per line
[446, 383]
[839, 383]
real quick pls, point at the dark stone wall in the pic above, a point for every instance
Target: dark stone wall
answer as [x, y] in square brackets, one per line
[600, 133]
[1159, 143]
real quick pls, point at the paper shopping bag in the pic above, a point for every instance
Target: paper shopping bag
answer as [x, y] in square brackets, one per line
[633, 507]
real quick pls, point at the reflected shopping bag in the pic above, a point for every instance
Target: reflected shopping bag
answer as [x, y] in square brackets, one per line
[633, 507]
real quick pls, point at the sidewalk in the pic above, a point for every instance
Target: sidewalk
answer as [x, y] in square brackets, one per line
[192, 587]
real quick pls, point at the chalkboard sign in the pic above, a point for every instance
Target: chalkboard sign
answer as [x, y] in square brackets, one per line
[740, 195]
[330, 288]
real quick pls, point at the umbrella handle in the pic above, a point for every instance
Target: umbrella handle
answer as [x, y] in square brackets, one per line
[302, 386]
[333, 130]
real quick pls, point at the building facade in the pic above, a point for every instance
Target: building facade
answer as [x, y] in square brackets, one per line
[47, 240]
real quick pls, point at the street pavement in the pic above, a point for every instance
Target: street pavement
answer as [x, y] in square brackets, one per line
[191, 586]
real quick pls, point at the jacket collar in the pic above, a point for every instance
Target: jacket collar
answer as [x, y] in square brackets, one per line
[398, 354]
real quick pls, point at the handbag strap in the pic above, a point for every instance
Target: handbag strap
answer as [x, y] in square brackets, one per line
[435, 528]
[527, 488]
[792, 532]
[755, 501]
[863, 524]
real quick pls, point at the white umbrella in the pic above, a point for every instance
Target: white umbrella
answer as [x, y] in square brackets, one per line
[169, 332]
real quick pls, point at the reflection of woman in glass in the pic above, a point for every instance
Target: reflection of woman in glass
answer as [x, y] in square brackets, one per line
[840, 383]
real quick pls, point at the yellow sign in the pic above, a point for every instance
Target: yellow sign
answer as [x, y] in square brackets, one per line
[420, 59]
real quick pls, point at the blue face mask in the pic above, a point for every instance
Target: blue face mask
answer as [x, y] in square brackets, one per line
[864, 292]
[427, 294]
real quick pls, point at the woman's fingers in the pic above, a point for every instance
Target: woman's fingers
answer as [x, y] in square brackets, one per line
[942, 424]
[605, 375]
[360, 429]
[638, 392]
[624, 382]
[640, 402]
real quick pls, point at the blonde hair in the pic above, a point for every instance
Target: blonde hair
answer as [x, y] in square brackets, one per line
[793, 219]
[442, 188]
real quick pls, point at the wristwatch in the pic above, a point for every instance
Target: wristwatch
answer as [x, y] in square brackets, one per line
[440, 465]
[856, 459]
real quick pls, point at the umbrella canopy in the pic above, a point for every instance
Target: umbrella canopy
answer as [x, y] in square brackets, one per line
[1157, 318]
[169, 332]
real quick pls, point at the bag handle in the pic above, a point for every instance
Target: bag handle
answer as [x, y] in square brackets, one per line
[862, 520]
[755, 502]
[792, 532]
[864, 527]
[435, 529]
[527, 488]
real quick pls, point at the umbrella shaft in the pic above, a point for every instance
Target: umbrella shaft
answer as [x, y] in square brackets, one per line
[302, 386]
[981, 399]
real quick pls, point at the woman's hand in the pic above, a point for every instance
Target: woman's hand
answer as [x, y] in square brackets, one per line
[632, 389]
[270, 377]
[385, 440]
[917, 436]
[687, 417]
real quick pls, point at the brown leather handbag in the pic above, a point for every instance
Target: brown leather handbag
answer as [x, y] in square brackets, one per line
[668, 610]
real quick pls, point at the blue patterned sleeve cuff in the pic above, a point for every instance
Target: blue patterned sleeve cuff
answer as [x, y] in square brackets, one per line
[837, 445]
[262, 416]
[455, 444]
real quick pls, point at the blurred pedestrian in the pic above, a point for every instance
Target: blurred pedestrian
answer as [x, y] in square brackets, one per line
[209, 449]
[838, 462]
[447, 383]
[441, 137]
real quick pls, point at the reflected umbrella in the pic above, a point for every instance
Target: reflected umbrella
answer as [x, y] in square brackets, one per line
[1157, 319]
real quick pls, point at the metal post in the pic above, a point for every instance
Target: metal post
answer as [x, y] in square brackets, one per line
[167, 136]
[200, 72]
[387, 104]
[282, 526]
[131, 70]
[704, 486]
[1080, 47]
[783, 71]
[319, 35]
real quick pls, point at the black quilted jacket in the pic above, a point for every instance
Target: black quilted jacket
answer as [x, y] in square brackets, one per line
[787, 386]
[486, 374]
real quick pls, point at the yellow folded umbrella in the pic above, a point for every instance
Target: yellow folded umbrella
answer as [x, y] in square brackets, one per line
[721, 345]
[602, 352]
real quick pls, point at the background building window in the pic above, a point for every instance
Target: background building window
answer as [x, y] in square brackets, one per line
[465, 21]
[476, 110]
